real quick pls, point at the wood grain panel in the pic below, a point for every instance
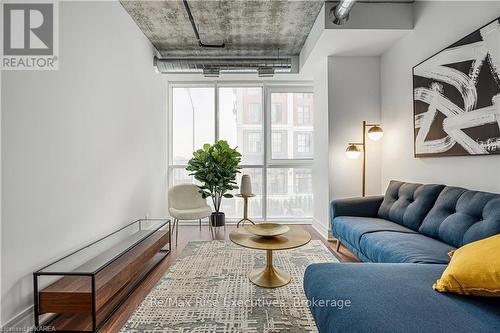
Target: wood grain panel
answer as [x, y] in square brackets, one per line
[73, 294]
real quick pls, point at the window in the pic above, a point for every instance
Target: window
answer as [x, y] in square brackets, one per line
[297, 106]
[302, 181]
[235, 123]
[285, 197]
[303, 115]
[233, 208]
[277, 180]
[254, 112]
[303, 144]
[279, 161]
[276, 113]
[304, 105]
[193, 121]
[253, 142]
[181, 176]
[279, 144]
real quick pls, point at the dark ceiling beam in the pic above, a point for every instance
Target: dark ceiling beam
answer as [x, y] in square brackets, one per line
[193, 24]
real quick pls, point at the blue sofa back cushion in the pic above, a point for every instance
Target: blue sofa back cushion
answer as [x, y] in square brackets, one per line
[460, 216]
[407, 203]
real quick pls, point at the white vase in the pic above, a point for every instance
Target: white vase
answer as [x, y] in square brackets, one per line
[246, 185]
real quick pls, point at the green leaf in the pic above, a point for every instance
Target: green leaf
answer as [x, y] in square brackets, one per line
[216, 167]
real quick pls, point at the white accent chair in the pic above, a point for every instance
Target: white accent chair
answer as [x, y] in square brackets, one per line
[186, 203]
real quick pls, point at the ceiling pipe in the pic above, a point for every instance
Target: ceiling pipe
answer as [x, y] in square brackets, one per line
[212, 66]
[193, 24]
[340, 13]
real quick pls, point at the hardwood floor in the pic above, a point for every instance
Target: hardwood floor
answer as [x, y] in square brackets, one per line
[186, 234]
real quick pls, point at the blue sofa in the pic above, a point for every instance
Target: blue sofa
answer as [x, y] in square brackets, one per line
[403, 238]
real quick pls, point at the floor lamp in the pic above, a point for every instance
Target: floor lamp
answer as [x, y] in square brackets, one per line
[354, 149]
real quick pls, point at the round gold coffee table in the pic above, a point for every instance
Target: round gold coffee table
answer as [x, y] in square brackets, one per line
[270, 276]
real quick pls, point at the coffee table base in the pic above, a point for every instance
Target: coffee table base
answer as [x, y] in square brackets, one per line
[269, 276]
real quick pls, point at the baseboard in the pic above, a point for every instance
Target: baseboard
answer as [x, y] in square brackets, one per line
[321, 229]
[330, 235]
[23, 320]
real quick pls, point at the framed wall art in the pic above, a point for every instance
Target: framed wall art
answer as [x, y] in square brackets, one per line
[456, 97]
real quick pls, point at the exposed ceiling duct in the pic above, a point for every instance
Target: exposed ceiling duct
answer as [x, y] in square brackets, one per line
[213, 38]
[340, 14]
[212, 67]
[248, 29]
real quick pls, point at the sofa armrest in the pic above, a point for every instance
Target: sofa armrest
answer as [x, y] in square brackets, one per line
[363, 207]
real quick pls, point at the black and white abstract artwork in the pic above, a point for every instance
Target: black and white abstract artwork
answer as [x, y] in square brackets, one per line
[456, 97]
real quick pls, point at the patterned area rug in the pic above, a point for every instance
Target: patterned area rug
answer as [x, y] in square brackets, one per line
[207, 290]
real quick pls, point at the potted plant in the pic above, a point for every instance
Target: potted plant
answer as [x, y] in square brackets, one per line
[216, 167]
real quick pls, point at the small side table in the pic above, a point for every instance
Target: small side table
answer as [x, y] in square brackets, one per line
[245, 209]
[270, 276]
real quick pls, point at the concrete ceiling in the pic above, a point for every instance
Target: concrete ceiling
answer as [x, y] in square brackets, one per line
[249, 28]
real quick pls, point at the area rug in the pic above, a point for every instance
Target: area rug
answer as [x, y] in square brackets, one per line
[207, 290]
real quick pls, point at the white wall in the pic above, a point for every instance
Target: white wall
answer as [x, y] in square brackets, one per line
[83, 148]
[1, 322]
[320, 167]
[353, 96]
[438, 24]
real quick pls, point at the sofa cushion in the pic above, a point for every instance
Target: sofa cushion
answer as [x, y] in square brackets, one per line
[396, 247]
[408, 204]
[460, 216]
[365, 206]
[351, 229]
[392, 298]
[474, 269]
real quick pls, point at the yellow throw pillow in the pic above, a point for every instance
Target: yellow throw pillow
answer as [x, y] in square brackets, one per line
[474, 269]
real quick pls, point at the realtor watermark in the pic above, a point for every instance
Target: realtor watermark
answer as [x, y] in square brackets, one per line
[225, 302]
[28, 329]
[30, 35]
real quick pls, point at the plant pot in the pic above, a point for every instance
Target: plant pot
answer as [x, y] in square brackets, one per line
[217, 219]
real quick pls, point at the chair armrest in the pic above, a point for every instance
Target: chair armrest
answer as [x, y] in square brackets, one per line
[363, 207]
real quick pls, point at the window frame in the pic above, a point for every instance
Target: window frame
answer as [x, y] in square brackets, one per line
[267, 89]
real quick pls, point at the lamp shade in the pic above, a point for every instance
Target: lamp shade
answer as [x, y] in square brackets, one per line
[375, 133]
[353, 151]
[246, 185]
